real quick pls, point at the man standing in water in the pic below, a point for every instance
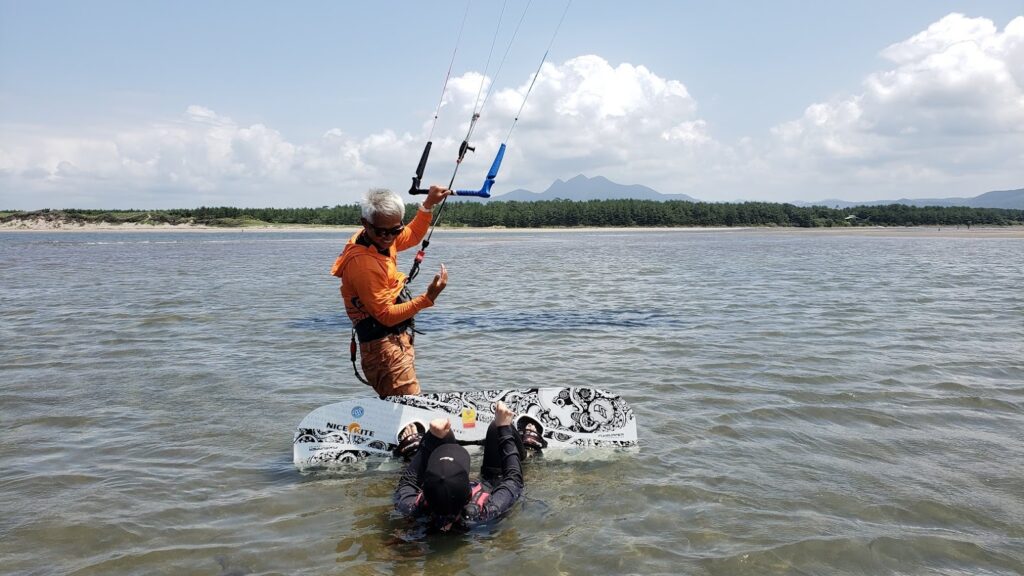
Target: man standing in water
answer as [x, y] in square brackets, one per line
[376, 298]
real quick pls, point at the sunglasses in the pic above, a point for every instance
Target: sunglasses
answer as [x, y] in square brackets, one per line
[387, 231]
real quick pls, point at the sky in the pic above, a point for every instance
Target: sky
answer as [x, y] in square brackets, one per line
[161, 104]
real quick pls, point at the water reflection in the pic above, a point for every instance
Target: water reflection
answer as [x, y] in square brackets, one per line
[533, 320]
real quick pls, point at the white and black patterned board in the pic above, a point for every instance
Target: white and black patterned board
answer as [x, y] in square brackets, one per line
[572, 418]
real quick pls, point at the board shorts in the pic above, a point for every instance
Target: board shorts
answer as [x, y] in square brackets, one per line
[389, 365]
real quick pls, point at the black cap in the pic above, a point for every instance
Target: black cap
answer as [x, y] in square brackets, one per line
[446, 482]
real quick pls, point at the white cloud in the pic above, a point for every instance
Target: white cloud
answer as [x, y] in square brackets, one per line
[583, 116]
[945, 117]
[201, 157]
[587, 116]
[948, 117]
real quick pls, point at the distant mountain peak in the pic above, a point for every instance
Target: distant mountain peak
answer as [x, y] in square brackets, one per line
[1012, 199]
[582, 188]
[581, 179]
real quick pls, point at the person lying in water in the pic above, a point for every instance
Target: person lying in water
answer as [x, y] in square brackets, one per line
[436, 484]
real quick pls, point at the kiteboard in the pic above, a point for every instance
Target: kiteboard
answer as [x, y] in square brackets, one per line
[570, 419]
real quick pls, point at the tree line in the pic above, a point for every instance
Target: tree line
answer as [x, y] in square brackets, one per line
[569, 213]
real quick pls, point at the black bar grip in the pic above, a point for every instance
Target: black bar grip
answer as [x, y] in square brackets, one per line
[415, 188]
[423, 160]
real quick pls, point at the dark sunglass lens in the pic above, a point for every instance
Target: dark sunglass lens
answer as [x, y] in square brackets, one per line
[388, 231]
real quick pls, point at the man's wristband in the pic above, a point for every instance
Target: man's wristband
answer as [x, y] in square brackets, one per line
[423, 208]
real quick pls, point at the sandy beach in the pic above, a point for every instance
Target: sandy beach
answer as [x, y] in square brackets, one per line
[41, 225]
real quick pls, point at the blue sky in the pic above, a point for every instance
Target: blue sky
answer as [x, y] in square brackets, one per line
[179, 104]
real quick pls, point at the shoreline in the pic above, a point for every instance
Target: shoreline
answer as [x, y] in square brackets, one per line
[41, 226]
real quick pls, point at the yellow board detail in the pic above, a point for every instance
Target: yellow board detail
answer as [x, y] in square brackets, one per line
[469, 417]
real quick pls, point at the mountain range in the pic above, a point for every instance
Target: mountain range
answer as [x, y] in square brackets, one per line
[582, 188]
[997, 199]
[596, 188]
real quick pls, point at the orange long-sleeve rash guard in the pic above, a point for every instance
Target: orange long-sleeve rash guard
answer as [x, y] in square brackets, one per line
[370, 281]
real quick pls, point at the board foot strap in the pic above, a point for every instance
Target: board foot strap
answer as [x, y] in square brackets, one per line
[409, 440]
[530, 430]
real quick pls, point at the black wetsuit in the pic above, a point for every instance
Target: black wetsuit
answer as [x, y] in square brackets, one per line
[500, 486]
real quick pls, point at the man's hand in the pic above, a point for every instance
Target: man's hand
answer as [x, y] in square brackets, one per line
[440, 427]
[435, 195]
[440, 281]
[502, 415]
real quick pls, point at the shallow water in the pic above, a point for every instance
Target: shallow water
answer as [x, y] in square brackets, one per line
[807, 404]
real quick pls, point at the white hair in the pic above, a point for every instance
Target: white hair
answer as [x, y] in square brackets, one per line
[384, 202]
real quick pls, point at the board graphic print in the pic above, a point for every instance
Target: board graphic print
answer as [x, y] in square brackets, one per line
[574, 418]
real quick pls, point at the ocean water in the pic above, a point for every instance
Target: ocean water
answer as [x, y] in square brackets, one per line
[807, 403]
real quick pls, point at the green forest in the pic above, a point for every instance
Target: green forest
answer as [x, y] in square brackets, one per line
[565, 213]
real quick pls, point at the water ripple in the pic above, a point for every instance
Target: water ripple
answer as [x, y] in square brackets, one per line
[807, 404]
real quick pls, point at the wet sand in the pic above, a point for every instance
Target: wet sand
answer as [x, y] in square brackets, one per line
[41, 225]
